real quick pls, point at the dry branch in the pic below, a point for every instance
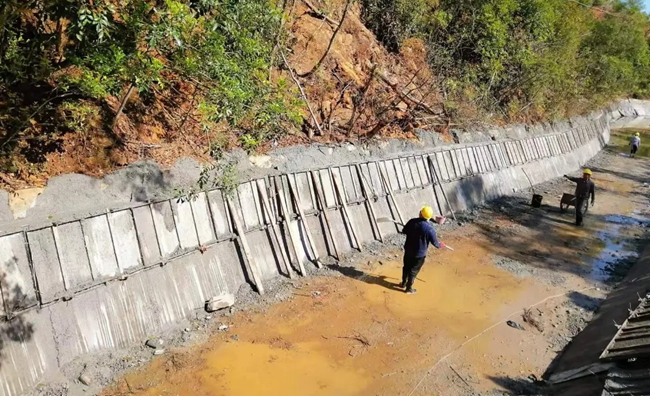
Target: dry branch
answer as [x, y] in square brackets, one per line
[122, 105]
[406, 97]
[304, 96]
[317, 12]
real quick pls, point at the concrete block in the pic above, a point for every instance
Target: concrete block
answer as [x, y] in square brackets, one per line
[226, 261]
[389, 173]
[146, 234]
[353, 184]
[202, 219]
[220, 217]
[375, 178]
[221, 301]
[481, 161]
[184, 219]
[327, 188]
[125, 240]
[472, 165]
[74, 259]
[413, 171]
[441, 168]
[298, 245]
[421, 165]
[449, 164]
[163, 220]
[400, 173]
[100, 247]
[265, 253]
[247, 205]
[15, 275]
[304, 184]
[407, 172]
[361, 218]
[46, 264]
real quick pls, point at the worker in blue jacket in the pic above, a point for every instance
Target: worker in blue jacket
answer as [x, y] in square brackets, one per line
[419, 234]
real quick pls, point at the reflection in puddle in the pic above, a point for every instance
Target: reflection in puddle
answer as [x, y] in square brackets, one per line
[615, 238]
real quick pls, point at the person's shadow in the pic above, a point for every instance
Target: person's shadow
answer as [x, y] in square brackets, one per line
[370, 279]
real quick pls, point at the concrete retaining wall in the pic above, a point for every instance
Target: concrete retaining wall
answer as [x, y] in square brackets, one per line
[111, 280]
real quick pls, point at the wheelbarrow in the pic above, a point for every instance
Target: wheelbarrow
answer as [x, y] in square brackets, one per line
[569, 200]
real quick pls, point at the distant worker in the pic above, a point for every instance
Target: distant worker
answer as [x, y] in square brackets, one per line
[419, 234]
[584, 188]
[635, 143]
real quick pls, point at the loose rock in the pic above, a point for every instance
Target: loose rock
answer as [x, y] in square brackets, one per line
[155, 343]
[220, 302]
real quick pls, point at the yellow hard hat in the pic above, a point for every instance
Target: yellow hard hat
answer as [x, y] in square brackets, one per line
[638, 134]
[426, 212]
[586, 172]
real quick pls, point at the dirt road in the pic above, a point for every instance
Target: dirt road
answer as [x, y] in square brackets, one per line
[353, 332]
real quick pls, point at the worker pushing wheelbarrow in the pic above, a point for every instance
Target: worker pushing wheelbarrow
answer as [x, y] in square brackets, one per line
[584, 189]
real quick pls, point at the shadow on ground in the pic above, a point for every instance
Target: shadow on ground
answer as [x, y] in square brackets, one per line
[354, 273]
[518, 386]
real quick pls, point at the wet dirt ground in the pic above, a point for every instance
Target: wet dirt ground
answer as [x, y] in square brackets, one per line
[353, 332]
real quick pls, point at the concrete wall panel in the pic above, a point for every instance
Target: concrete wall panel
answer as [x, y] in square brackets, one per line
[99, 244]
[184, 219]
[247, 205]
[220, 218]
[265, 253]
[400, 173]
[125, 240]
[16, 281]
[163, 220]
[327, 188]
[408, 173]
[202, 219]
[46, 264]
[74, 260]
[146, 234]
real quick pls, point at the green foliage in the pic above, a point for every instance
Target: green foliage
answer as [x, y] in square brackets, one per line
[513, 55]
[84, 50]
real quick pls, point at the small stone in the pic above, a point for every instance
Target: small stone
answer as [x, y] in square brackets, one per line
[223, 327]
[84, 378]
[220, 302]
[155, 343]
[208, 317]
[235, 337]
[187, 330]
[158, 352]
[316, 294]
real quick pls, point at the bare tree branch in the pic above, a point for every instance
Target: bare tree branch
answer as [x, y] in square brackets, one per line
[319, 14]
[304, 96]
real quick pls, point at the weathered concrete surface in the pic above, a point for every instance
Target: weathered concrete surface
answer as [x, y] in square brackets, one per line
[108, 280]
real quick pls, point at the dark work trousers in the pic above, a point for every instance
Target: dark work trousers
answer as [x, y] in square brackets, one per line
[634, 149]
[412, 265]
[581, 208]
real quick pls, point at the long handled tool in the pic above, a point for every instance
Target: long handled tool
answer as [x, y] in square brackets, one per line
[389, 220]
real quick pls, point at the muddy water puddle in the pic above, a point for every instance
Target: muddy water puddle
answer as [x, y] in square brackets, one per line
[616, 237]
[344, 336]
